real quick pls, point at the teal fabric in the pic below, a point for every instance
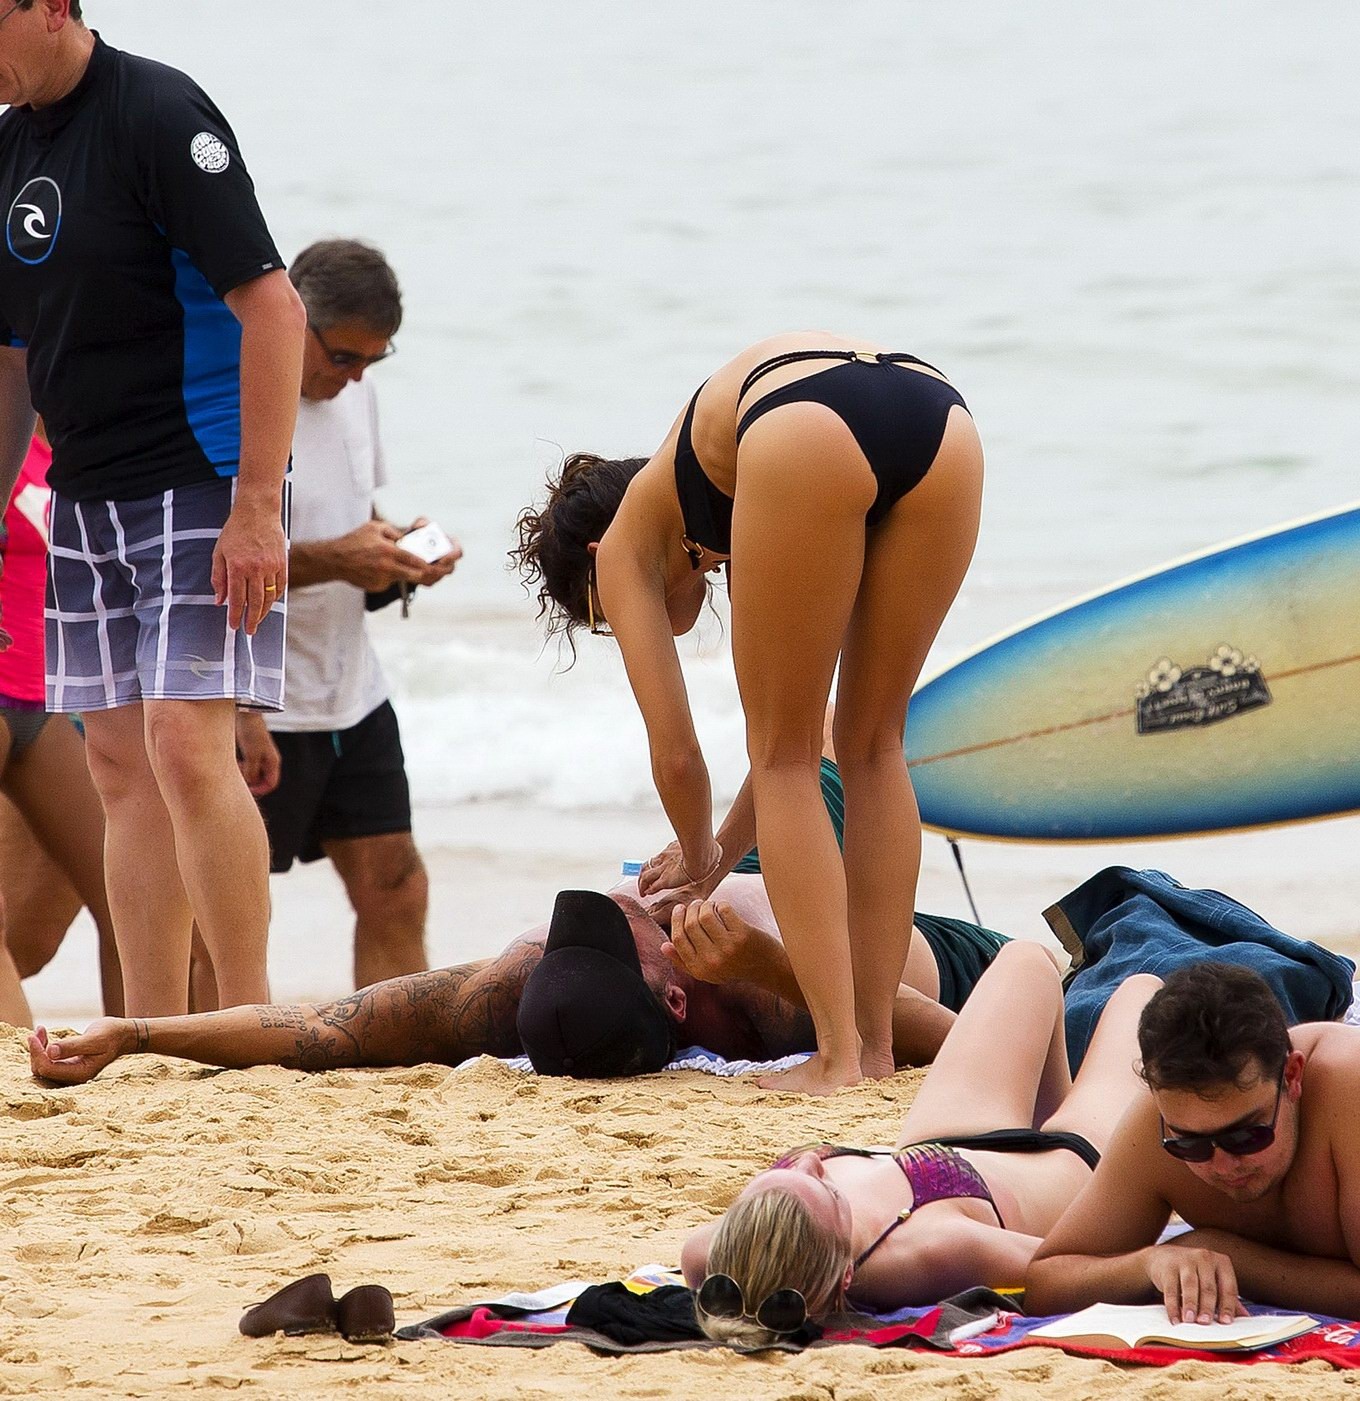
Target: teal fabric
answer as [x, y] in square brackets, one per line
[963, 951]
[833, 795]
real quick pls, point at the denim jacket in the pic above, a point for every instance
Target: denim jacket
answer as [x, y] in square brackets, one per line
[1123, 921]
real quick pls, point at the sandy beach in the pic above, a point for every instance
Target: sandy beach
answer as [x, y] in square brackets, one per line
[1122, 234]
[144, 1212]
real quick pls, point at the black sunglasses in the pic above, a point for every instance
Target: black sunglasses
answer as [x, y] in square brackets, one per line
[348, 359]
[720, 1296]
[1237, 1143]
[599, 627]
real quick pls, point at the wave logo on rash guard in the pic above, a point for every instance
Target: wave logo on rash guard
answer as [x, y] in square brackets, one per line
[210, 153]
[34, 218]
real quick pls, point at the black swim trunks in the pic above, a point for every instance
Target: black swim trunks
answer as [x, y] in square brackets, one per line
[336, 785]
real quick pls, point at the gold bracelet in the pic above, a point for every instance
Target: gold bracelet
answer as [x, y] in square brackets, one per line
[693, 880]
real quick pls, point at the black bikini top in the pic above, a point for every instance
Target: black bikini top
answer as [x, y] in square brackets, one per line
[707, 512]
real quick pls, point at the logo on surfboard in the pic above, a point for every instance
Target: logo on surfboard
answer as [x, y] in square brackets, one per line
[1227, 684]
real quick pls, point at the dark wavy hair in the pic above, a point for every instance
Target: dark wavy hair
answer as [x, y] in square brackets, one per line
[1212, 1024]
[552, 553]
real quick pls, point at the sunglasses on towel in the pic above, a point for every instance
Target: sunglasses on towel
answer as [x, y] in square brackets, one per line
[1237, 1143]
[784, 1311]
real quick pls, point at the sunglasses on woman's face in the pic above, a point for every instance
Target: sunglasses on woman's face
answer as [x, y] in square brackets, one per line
[598, 626]
[1237, 1143]
[720, 1296]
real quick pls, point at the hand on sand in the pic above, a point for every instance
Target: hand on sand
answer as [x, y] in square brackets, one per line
[711, 942]
[816, 1076]
[73, 1060]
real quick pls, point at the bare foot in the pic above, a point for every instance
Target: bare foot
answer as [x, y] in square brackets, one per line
[876, 1065]
[816, 1076]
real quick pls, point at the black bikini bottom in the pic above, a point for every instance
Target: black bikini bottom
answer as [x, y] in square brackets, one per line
[1025, 1141]
[897, 416]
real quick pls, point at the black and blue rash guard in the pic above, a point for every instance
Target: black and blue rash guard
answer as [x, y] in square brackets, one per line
[129, 216]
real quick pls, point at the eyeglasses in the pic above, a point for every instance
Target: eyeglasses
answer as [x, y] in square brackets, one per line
[344, 359]
[1237, 1143]
[598, 626]
[720, 1296]
[9, 12]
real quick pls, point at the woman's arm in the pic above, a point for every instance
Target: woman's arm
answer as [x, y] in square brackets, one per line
[923, 1262]
[16, 419]
[694, 1254]
[16, 431]
[633, 600]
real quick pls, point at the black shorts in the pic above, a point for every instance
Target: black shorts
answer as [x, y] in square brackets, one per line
[336, 784]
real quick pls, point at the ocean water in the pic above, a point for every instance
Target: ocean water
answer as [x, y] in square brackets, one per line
[1128, 235]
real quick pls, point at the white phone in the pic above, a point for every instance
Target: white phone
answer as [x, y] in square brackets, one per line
[427, 542]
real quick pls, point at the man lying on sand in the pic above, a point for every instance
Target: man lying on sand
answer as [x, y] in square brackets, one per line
[616, 994]
[1248, 1131]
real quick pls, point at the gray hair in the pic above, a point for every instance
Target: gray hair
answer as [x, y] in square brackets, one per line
[341, 279]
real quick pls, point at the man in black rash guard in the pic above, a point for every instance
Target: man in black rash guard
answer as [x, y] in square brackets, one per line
[145, 313]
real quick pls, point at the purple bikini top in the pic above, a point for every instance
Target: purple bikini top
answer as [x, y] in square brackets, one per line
[934, 1173]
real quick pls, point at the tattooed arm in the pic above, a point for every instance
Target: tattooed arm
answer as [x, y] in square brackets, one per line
[443, 1016]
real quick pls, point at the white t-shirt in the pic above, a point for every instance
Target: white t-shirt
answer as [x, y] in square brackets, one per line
[332, 674]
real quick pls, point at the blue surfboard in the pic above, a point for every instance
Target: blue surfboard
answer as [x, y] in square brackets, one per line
[1220, 691]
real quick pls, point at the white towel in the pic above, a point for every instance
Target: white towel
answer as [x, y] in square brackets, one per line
[696, 1058]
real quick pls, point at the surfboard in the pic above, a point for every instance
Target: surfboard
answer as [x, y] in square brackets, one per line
[1219, 691]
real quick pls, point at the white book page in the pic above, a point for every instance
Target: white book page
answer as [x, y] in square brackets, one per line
[1133, 1321]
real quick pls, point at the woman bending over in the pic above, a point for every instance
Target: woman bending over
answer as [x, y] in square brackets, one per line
[842, 486]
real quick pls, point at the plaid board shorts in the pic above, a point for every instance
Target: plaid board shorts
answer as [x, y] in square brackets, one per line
[130, 609]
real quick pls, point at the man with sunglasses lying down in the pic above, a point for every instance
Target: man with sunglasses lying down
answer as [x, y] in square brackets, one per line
[1248, 1131]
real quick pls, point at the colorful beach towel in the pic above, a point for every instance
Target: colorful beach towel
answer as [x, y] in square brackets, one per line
[652, 1311]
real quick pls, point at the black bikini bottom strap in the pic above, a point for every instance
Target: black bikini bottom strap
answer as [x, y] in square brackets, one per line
[792, 357]
[1025, 1141]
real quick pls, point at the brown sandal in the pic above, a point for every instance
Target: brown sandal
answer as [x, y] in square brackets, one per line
[366, 1314]
[304, 1306]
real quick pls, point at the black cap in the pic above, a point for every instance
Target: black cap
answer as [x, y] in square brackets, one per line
[586, 1010]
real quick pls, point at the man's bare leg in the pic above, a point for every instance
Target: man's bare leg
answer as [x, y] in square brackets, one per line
[150, 910]
[202, 977]
[390, 892]
[219, 840]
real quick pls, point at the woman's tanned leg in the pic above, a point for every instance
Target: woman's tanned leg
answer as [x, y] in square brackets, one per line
[798, 534]
[50, 784]
[914, 563]
[998, 1053]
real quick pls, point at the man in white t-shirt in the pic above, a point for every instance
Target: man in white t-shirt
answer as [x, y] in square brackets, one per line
[328, 771]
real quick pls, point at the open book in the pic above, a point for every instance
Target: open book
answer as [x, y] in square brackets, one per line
[1147, 1325]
